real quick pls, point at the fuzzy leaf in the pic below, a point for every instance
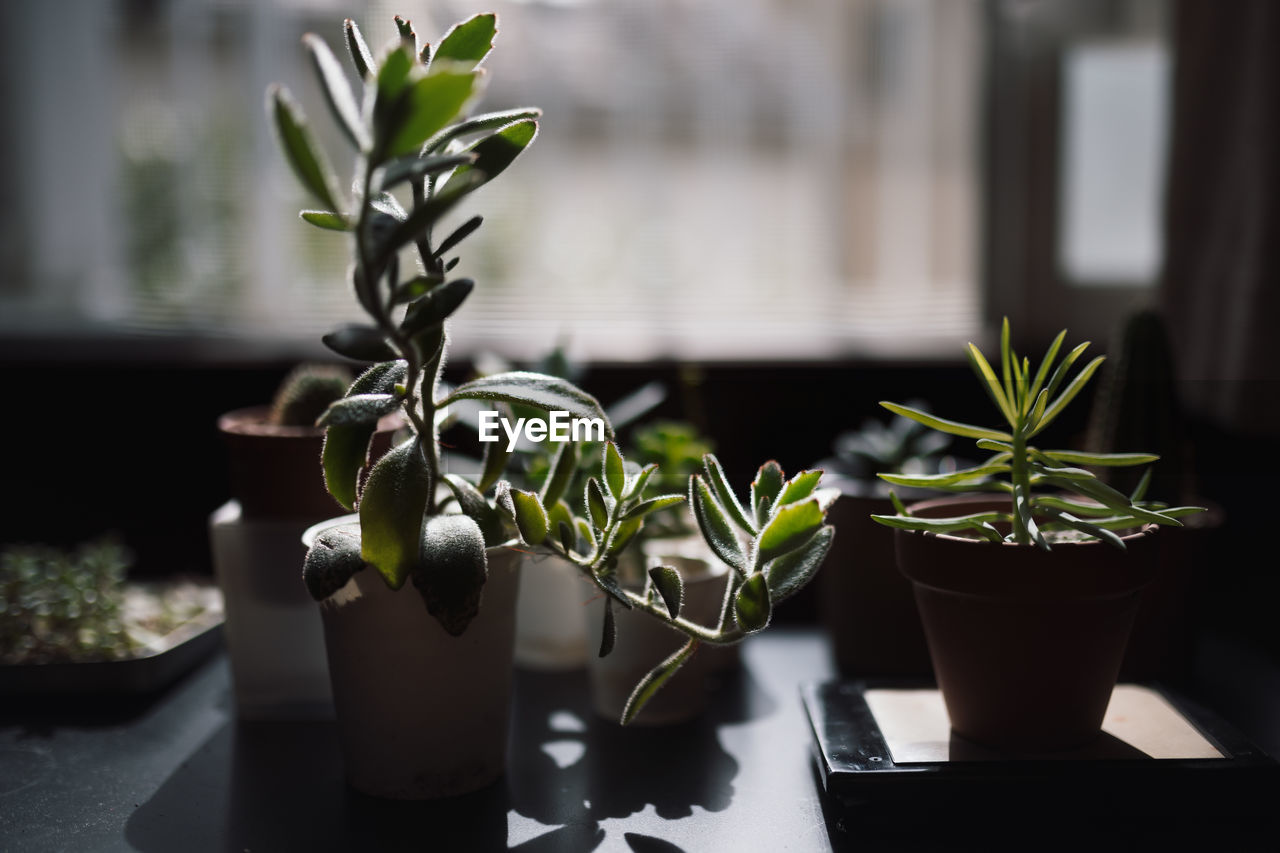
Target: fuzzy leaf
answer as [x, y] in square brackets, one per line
[531, 518]
[623, 534]
[788, 573]
[436, 305]
[548, 393]
[414, 168]
[345, 453]
[643, 508]
[799, 487]
[419, 220]
[359, 409]
[469, 42]
[496, 456]
[473, 504]
[451, 571]
[766, 487]
[479, 124]
[596, 505]
[326, 219]
[332, 560]
[751, 607]
[360, 54]
[563, 466]
[426, 106]
[362, 343]
[337, 90]
[301, 149]
[610, 633]
[791, 526]
[613, 472]
[391, 512]
[654, 679]
[636, 485]
[499, 150]
[728, 500]
[459, 234]
[714, 526]
[667, 581]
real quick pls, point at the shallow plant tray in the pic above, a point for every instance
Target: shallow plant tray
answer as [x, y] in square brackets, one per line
[884, 748]
[157, 665]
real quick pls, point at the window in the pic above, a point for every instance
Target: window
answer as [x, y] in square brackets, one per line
[732, 179]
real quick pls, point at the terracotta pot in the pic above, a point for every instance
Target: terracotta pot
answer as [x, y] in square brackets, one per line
[421, 714]
[1026, 644]
[643, 642]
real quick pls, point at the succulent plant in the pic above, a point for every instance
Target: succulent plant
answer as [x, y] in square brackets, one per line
[306, 392]
[1070, 498]
[783, 526]
[901, 445]
[408, 128]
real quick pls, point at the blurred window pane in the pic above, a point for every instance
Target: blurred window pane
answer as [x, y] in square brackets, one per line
[714, 178]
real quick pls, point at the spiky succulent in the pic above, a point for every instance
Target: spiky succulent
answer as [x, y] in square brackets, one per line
[1070, 498]
[306, 392]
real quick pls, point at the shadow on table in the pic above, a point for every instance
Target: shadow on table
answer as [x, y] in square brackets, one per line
[279, 786]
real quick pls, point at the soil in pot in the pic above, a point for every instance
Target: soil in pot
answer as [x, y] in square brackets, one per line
[1026, 644]
[421, 714]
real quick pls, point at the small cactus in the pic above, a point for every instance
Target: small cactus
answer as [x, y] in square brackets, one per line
[306, 392]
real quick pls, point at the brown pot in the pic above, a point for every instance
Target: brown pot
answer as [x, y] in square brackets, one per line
[275, 470]
[1026, 644]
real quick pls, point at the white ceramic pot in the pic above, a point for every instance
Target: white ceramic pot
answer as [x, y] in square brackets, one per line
[551, 616]
[643, 642]
[692, 556]
[421, 714]
[274, 638]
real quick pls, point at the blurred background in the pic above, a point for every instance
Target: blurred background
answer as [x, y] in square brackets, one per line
[783, 210]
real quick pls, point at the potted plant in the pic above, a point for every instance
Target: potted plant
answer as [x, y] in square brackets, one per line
[785, 536]
[1027, 597]
[272, 632]
[885, 637]
[421, 677]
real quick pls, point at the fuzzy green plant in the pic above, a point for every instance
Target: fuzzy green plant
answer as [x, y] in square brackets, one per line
[773, 546]
[306, 392]
[408, 127]
[1049, 494]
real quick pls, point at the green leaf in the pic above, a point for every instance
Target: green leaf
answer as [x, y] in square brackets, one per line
[473, 504]
[613, 472]
[531, 517]
[898, 506]
[788, 573]
[496, 152]
[1100, 459]
[799, 487]
[1060, 372]
[345, 453]
[609, 635]
[479, 124]
[944, 425]
[410, 290]
[791, 526]
[1022, 508]
[643, 508]
[1048, 502]
[358, 409]
[927, 481]
[1006, 373]
[564, 530]
[337, 91]
[560, 516]
[713, 524]
[989, 381]
[408, 38]
[1140, 490]
[667, 581]
[426, 106]
[360, 54]
[459, 234]
[596, 505]
[1069, 393]
[414, 168]
[623, 534]
[326, 219]
[1104, 494]
[1089, 528]
[942, 525]
[436, 305]
[332, 560]
[391, 512]
[496, 456]
[751, 606]
[608, 581]
[563, 466]
[1037, 411]
[766, 487]
[1037, 384]
[654, 679]
[636, 485]
[548, 393]
[301, 149]
[451, 570]
[417, 223]
[362, 343]
[728, 500]
[469, 42]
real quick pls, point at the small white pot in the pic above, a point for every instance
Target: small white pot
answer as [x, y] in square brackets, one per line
[643, 642]
[551, 617]
[421, 714]
[274, 639]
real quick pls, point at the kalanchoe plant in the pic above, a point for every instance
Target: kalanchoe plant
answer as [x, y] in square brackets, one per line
[783, 527]
[1071, 498]
[408, 129]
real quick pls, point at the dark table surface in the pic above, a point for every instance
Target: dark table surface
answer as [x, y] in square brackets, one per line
[178, 773]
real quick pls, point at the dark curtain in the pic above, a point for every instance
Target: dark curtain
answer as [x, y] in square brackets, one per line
[1222, 240]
